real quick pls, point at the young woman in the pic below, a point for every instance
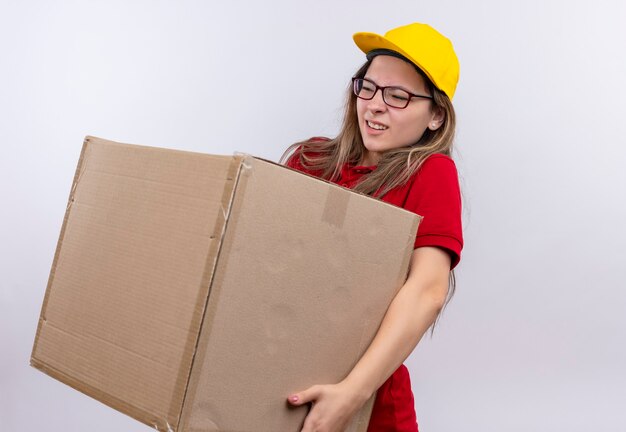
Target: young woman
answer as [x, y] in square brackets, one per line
[395, 144]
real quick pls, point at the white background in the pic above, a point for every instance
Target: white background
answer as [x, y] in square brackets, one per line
[535, 339]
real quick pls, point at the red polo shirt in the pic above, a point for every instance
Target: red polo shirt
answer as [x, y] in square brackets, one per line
[433, 193]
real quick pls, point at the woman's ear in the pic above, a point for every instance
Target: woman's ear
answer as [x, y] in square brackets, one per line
[437, 119]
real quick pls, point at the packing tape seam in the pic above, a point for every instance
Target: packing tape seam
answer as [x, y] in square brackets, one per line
[246, 159]
[234, 174]
[335, 206]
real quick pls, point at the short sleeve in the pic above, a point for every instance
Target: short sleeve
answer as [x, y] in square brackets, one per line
[435, 194]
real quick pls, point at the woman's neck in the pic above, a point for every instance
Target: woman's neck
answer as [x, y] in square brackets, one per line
[370, 158]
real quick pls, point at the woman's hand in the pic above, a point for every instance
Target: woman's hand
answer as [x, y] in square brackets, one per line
[410, 314]
[333, 406]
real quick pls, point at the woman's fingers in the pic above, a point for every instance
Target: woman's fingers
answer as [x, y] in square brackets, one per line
[311, 423]
[334, 406]
[306, 396]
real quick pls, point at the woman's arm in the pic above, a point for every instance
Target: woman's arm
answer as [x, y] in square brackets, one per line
[410, 314]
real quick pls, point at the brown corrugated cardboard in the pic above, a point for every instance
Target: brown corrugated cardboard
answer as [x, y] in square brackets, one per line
[182, 281]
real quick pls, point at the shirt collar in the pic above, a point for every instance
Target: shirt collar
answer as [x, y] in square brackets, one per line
[350, 172]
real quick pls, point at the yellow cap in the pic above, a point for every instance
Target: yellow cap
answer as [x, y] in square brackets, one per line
[428, 49]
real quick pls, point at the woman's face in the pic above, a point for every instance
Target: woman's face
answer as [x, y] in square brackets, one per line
[385, 128]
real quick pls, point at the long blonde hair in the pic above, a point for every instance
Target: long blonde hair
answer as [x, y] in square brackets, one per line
[396, 166]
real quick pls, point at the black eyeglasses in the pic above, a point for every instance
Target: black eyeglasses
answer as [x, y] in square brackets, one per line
[395, 97]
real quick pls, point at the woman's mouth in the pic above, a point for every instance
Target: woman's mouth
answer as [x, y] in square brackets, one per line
[376, 126]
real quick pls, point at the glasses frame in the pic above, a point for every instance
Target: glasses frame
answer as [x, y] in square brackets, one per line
[383, 91]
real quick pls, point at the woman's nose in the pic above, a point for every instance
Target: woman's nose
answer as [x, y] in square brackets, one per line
[377, 103]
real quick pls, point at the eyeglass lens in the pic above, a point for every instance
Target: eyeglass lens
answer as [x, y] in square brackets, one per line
[392, 96]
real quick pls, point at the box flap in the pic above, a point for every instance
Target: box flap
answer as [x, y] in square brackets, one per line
[128, 285]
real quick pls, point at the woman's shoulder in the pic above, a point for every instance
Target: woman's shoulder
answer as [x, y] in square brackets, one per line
[439, 159]
[437, 165]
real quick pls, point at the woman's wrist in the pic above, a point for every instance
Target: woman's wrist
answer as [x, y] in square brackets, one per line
[359, 388]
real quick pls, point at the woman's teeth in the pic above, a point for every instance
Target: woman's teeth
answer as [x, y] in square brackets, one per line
[376, 126]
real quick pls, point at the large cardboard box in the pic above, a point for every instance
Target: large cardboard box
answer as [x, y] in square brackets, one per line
[182, 281]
